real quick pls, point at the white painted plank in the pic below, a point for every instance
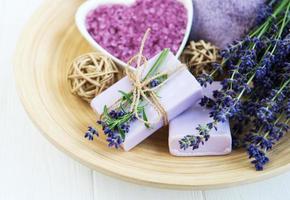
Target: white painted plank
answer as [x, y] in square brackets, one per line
[31, 168]
[112, 189]
[275, 188]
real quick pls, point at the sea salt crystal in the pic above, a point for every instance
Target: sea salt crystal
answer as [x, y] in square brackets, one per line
[223, 21]
[120, 28]
[220, 141]
[177, 95]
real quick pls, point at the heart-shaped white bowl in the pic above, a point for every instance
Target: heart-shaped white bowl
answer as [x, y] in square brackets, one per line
[89, 5]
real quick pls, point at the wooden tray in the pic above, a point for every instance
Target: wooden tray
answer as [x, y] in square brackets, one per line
[48, 44]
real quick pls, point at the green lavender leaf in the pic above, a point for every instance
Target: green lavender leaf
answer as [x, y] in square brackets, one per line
[126, 96]
[162, 78]
[122, 107]
[122, 133]
[106, 112]
[145, 117]
[157, 64]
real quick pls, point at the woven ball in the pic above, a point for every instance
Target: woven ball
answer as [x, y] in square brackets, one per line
[92, 73]
[199, 56]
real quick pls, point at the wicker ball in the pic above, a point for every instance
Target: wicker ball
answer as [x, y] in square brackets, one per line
[92, 73]
[199, 56]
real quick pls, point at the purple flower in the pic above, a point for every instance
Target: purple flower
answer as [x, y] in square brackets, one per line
[260, 159]
[190, 141]
[264, 114]
[207, 102]
[205, 79]
[263, 13]
[154, 83]
[288, 110]
[91, 133]
[114, 140]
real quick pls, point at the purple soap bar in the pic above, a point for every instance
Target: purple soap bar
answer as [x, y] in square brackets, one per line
[220, 142]
[177, 95]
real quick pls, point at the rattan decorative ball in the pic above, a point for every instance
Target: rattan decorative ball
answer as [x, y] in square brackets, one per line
[199, 56]
[92, 73]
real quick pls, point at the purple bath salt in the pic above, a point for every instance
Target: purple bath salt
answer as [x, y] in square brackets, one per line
[119, 29]
[223, 21]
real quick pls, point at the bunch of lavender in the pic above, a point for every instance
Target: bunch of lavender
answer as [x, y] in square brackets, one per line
[115, 122]
[256, 88]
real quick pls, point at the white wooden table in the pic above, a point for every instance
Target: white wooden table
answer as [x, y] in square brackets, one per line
[31, 168]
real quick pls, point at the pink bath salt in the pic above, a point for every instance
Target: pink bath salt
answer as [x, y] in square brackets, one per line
[119, 29]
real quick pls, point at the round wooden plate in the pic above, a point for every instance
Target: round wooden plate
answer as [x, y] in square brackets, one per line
[46, 47]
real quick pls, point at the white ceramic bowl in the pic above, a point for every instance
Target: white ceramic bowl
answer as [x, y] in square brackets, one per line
[86, 7]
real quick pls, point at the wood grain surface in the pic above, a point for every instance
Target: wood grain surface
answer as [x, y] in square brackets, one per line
[46, 47]
[31, 168]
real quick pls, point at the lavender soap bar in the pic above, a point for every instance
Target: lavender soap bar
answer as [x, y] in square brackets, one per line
[220, 141]
[175, 96]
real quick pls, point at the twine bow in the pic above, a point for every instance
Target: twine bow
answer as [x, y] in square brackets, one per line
[141, 90]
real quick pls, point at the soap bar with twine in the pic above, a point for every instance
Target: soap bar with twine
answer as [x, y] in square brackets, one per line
[175, 96]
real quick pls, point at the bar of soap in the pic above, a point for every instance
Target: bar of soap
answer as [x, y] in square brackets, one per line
[220, 141]
[178, 94]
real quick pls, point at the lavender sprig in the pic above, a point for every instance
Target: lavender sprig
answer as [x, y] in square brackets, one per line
[255, 90]
[91, 133]
[115, 122]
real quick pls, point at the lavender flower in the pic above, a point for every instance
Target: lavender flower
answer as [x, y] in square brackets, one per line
[264, 12]
[260, 159]
[256, 88]
[91, 133]
[154, 83]
[115, 125]
[190, 141]
[194, 141]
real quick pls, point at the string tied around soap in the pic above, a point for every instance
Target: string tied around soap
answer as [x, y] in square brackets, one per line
[141, 85]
